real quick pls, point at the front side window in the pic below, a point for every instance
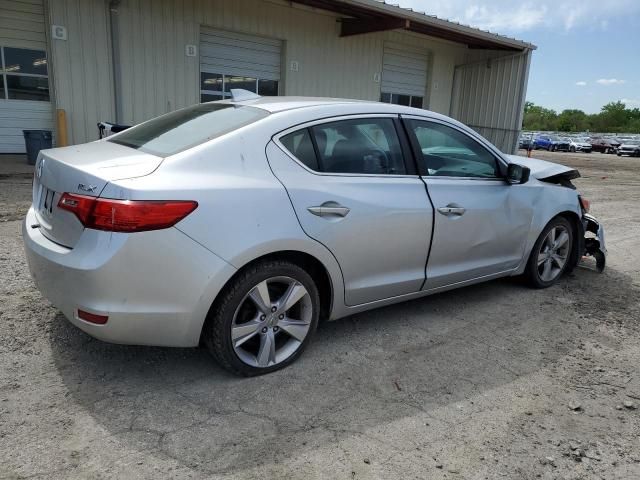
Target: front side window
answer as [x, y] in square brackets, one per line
[186, 128]
[447, 152]
[217, 86]
[358, 146]
[24, 74]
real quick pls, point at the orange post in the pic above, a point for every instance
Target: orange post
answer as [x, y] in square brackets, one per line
[61, 126]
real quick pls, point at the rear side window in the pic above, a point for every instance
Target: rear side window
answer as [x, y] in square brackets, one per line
[359, 146]
[186, 128]
[300, 145]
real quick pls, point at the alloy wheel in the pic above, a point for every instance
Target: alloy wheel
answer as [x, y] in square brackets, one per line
[271, 322]
[553, 254]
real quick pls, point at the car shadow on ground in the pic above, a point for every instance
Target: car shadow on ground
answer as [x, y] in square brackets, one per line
[358, 373]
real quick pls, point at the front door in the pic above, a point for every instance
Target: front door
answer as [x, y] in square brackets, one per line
[481, 221]
[353, 192]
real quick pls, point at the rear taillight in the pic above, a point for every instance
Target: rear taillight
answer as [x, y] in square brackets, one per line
[584, 204]
[126, 215]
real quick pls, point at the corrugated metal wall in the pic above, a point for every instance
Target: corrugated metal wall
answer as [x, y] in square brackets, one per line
[83, 79]
[158, 77]
[22, 24]
[488, 95]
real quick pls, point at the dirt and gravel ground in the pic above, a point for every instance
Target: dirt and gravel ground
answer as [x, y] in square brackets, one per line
[491, 381]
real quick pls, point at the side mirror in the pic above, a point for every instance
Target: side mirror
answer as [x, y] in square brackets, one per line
[517, 174]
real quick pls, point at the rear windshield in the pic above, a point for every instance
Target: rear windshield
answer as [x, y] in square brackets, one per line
[186, 128]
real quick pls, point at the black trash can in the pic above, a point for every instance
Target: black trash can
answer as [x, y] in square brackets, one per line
[36, 140]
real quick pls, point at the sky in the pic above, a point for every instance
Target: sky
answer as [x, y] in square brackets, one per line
[588, 50]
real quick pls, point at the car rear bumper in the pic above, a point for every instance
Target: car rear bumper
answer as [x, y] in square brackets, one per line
[155, 287]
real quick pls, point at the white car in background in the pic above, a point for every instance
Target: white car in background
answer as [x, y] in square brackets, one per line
[630, 148]
[580, 144]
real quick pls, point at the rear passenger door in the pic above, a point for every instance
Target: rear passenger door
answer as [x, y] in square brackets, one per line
[353, 191]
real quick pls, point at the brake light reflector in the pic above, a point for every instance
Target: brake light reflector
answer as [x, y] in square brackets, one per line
[126, 215]
[92, 317]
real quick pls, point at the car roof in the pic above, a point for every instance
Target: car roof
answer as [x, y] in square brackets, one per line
[284, 103]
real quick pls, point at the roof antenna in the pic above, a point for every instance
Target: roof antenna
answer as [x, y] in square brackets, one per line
[240, 95]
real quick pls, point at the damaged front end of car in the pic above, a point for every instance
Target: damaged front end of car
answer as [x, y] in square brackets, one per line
[594, 245]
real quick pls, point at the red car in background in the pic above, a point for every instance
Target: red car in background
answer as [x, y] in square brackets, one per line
[604, 145]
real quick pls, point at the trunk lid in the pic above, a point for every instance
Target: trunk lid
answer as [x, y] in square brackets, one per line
[82, 169]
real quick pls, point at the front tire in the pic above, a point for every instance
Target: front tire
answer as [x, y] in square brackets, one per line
[264, 319]
[551, 254]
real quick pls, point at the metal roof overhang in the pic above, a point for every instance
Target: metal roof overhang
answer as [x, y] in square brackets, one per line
[367, 16]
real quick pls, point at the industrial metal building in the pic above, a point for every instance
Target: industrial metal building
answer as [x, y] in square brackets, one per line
[68, 64]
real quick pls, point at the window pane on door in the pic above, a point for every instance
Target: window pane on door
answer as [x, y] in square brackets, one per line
[207, 97]
[416, 102]
[268, 88]
[365, 146]
[22, 60]
[451, 153]
[245, 83]
[402, 100]
[211, 82]
[28, 88]
[385, 97]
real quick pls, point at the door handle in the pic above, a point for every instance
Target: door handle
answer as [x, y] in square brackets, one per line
[452, 210]
[329, 209]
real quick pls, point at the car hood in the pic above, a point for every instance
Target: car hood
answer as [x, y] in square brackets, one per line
[541, 169]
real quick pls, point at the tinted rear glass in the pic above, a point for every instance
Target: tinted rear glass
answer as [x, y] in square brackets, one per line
[186, 128]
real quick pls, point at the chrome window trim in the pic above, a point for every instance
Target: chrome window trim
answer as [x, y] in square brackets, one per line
[301, 126]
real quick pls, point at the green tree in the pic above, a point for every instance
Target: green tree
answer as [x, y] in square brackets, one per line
[572, 120]
[539, 118]
[614, 117]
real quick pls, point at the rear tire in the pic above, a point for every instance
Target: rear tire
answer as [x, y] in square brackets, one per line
[251, 329]
[551, 254]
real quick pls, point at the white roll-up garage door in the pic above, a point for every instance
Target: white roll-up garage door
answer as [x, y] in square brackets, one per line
[24, 82]
[237, 60]
[404, 75]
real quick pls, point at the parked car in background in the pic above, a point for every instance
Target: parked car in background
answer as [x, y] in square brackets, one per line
[630, 147]
[561, 144]
[604, 145]
[240, 224]
[525, 142]
[579, 144]
[550, 142]
[542, 142]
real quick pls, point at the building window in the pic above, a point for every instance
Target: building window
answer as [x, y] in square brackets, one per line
[399, 99]
[217, 86]
[24, 74]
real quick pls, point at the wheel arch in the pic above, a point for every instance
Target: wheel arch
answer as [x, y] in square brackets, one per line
[578, 234]
[318, 271]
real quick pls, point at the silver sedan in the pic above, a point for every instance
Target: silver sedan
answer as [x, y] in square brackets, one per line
[241, 224]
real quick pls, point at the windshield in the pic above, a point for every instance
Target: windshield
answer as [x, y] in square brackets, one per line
[186, 128]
